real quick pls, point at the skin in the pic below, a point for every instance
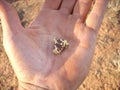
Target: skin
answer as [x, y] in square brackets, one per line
[30, 49]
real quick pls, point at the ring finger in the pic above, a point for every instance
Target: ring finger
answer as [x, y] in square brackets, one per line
[82, 8]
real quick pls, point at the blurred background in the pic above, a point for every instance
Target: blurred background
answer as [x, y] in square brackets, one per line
[104, 72]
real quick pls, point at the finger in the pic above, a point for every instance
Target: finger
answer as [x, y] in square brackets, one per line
[52, 4]
[67, 6]
[96, 15]
[9, 19]
[82, 8]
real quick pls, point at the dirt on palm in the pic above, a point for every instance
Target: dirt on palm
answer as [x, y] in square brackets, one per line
[104, 72]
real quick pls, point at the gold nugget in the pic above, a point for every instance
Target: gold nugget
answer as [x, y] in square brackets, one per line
[60, 45]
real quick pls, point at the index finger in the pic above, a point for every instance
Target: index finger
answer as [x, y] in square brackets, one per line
[96, 15]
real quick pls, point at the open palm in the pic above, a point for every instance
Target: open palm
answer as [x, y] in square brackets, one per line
[30, 50]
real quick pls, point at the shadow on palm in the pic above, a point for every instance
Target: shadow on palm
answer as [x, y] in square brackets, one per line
[45, 63]
[53, 24]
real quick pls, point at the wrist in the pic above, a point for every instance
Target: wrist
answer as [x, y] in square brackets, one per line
[28, 86]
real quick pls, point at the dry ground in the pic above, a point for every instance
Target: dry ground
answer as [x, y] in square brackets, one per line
[105, 69]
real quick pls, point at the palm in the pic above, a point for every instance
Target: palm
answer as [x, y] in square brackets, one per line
[30, 50]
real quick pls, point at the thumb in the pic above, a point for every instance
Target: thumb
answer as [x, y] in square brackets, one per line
[9, 19]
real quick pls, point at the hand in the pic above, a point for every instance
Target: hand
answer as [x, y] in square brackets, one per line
[30, 49]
